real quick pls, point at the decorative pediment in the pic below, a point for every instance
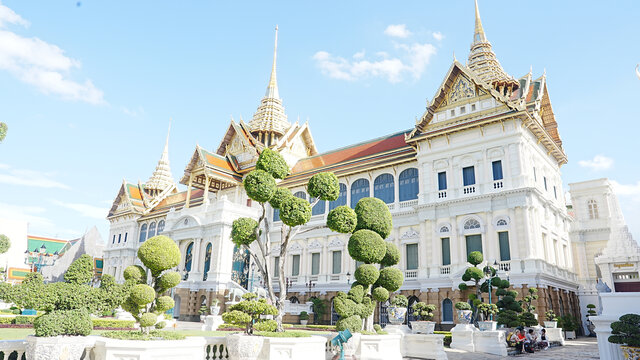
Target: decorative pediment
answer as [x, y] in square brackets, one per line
[410, 234]
[335, 243]
[315, 244]
[295, 248]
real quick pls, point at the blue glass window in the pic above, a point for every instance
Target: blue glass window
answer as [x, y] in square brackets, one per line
[474, 243]
[143, 233]
[359, 190]
[119, 238]
[468, 176]
[408, 184]
[447, 310]
[342, 198]
[276, 214]
[505, 253]
[114, 239]
[188, 257]
[383, 188]
[295, 265]
[497, 170]
[412, 256]
[125, 236]
[152, 230]
[207, 261]
[442, 180]
[301, 195]
[446, 251]
[160, 226]
[318, 209]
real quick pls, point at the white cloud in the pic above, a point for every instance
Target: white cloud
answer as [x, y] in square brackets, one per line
[31, 178]
[438, 35]
[41, 64]
[627, 190]
[359, 55]
[86, 210]
[31, 214]
[399, 31]
[598, 163]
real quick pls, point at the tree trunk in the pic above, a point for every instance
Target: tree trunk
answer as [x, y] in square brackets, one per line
[368, 323]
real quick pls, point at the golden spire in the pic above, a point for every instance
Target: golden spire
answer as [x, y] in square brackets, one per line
[272, 88]
[161, 177]
[478, 35]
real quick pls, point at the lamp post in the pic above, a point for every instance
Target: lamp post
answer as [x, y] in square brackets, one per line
[38, 258]
[348, 278]
[488, 272]
[310, 285]
[288, 283]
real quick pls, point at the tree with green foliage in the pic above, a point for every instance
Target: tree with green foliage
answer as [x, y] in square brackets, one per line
[319, 308]
[626, 331]
[146, 299]
[247, 313]
[423, 311]
[475, 274]
[254, 235]
[5, 243]
[372, 225]
[80, 271]
[3, 131]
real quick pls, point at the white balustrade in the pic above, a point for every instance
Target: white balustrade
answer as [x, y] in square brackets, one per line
[296, 309]
[410, 274]
[445, 270]
[497, 185]
[408, 204]
[216, 348]
[7, 347]
[442, 194]
[471, 189]
[504, 266]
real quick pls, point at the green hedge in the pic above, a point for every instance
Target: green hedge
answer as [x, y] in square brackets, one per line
[7, 320]
[447, 337]
[113, 323]
[24, 319]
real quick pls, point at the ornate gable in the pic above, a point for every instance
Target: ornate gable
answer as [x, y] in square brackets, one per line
[239, 144]
[129, 200]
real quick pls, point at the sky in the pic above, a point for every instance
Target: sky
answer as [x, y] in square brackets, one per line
[88, 88]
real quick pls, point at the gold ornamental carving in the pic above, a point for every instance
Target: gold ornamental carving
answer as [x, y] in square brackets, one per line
[462, 89]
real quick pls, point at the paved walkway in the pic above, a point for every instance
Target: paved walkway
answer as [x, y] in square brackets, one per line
[585, 348]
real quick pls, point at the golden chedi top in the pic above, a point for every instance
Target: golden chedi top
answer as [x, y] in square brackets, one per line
[161, 178]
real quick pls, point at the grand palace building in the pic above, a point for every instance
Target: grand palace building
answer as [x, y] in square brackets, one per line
[478, 171]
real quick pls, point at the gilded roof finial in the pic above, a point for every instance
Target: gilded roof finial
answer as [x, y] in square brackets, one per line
[454, 56]
[272, 89]
[161, 177]
[478, 35]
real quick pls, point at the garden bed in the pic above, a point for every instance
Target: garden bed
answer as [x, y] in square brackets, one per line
[138, 335]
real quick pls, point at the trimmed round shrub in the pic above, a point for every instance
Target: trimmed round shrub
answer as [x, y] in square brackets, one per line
[390, 279]
[295, 211]
[135, 273]
[355, 283]
[366, 274]
[259, 185]
[380, 294]
[80, 271]
[159, 254]
[273, 163]
[324, 186]
[142, 294]
[243, 231]
[353, 323]
[160, 325]
[475, 258]
[164, 303]
[462, 286]
[366, 246]
[342, 219]
[5, 243]
[391, 256]
[279, 196]
[266, 325]
[63, 322]
[169, 280]
[472, 273]
[373, 214]
[148, 319]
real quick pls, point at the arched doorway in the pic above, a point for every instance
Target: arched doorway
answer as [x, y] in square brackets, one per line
[383, 315]
[334, 314]
[447, 310]
[410, 317]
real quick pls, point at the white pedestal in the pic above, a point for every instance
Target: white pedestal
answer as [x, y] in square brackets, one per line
[462, 337]
[421, 346]
[555, 334]
[380, 347]
[211, 322]
[123, 315]
[490, 342]
[397, 329]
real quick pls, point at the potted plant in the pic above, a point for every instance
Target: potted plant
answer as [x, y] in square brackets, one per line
[397, 309]
[551, 321]
[203, 312]
[486, 310]
[626, 332]
[590, 325]
[214, 309]
[304, 317]
[247, 314]
[464, 312]
[569, 325]
[424, 312]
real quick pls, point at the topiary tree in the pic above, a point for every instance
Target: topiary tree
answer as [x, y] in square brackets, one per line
[626, 331]
[475, 274]
[5, 243]
[423, 311]
[352, 308]
[254, 235]
[146, 300]
[369, 224]
[590, 310]
[528, 300]
[247, 314]
[3, 131]
[80, 271]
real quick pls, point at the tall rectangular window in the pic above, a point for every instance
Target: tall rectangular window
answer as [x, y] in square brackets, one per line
[535, 177]
[276, 266]
[497, 170]
[337, 262]
[442, 180]
[412, 256]
[295, 265]
[446, 251]
[125, 236]
[114, 239]
[545, 183]
[474, 243]
[315, 263]
[119, 238]
[505, 252]
[468, 176]
[555, 192]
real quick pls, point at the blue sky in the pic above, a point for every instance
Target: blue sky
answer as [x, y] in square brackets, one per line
[88, 88]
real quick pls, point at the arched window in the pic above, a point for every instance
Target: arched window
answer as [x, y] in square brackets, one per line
[444, 229]
[471, 224]
[408, 184]
[412, 300]
[383, 188]
[318, 209]
[143, 233]
[301, 195]
[294, 300]
[593, 209]
[152, 230]
[359, 190]
[501, 222]
[188, 257]
[447, 310]
[207, 262]
[561, 303]
[342, 198]
[160, 226]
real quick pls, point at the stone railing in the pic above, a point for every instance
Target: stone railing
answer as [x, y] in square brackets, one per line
[445, 269]
[410, 274]
[216, 348]
[296, 309]
[8, 347]
[408, 204]
[470, 189]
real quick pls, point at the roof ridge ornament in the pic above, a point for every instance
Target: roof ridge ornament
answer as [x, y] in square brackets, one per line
[161, 177]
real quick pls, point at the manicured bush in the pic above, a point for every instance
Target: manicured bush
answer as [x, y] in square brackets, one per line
[475, 258]
[509, 318]
[399, 301]
[80, 271]
[248, 311]
[164, 303]
[5, 243]
[5, 320]
[295, 211]
[342, 219]
[148, 319]
[472, 273]
[377, 328]
[486, 310]
[64, 322]
[463, 305]
[135, 273]
[373, 214]
[463, 286]
[626, 331]
[423, 311]
[324, 186]
[243, 231]
[273, 163]
[550, 315]
[366, 274]
[142, 294]
[528, 319]
[391, 256]
[266, 325]
[159, 253]
[366, 246]
[353, 323]
[168, 280]
[259, 185]
[24, 319]
[280, 195]
[160, 325]
[304, 315]
[390, 279]
[112, 323]
[137, 335]
[380, 294]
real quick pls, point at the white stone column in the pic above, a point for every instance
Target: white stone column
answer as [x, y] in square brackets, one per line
[195, 274]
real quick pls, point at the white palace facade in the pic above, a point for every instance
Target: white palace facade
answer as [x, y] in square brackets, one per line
[480, 170]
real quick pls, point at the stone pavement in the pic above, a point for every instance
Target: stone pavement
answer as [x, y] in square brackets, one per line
[584, 348]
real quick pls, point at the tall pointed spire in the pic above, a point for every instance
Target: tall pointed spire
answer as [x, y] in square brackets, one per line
[483, 61]
[269, 122]
[161, 178]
